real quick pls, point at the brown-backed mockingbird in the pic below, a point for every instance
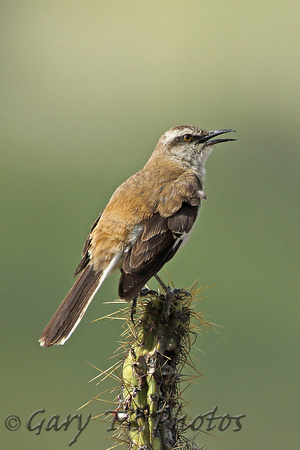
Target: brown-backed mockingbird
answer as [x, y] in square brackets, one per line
[145, 222]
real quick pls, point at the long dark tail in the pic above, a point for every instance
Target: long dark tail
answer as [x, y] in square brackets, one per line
[72, 308]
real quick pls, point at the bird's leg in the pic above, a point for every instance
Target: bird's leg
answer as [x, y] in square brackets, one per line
[169, 296]
[165, 288]
[133, 309]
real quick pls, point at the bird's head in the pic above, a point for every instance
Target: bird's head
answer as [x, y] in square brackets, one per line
[190, 146]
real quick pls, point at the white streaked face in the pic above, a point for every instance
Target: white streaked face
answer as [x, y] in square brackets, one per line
[182, 146]
[190, 146]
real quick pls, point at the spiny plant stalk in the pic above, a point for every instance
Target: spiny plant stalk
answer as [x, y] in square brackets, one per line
[158, 347]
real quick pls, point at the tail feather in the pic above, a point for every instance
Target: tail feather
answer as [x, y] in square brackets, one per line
[72, 308]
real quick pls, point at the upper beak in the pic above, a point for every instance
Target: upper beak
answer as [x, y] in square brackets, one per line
[215, 133]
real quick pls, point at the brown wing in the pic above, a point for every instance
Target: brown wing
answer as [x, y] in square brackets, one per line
[157, 244]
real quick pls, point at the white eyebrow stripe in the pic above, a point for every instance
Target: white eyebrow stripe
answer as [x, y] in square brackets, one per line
[174, 132]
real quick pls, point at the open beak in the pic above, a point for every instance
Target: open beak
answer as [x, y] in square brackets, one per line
[211, 134]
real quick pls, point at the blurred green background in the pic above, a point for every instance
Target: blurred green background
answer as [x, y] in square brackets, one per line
[87, 88]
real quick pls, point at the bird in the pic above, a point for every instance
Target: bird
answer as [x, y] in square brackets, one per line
[147, 219]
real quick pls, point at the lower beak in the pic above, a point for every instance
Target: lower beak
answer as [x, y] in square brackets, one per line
[211, 134]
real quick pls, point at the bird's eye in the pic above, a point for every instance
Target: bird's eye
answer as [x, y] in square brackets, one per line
[187, 138]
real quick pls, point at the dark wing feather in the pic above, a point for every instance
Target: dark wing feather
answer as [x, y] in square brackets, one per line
[184, 219]
[157, 244]
[85, 251]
